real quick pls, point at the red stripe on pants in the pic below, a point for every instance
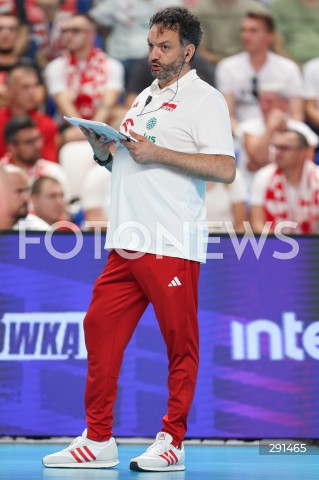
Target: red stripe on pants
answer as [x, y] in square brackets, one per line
[120, 296]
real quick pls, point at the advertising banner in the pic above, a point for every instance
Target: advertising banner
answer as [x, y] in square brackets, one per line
[259, 340]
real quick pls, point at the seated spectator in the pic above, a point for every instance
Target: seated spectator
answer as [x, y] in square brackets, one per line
[23, 99]
[24, 144]
[48, 201]
[256, 133]
[9, 55]
[297, 29]
[126, 27]
[84, 82]
[17, 8]
[141, 76]
[46, 29]
[311, 77]
[239, 77]
[226, 203]
[96, 196]
[221, 23]
[4, 200]
[18, 193]
[288, 188]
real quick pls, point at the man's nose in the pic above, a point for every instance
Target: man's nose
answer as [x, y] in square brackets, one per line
[154, 53]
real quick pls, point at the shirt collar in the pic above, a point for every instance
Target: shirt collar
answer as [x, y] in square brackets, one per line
[182, 82]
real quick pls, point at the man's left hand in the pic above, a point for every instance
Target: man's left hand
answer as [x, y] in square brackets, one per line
[143, 151]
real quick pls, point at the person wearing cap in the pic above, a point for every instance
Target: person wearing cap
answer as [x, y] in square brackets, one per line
[285, 193]
[256, 133]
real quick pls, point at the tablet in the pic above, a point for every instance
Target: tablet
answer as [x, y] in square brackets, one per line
[100, 128]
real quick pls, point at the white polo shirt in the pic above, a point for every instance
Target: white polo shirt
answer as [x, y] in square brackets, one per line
[154, 209]
[234, 76]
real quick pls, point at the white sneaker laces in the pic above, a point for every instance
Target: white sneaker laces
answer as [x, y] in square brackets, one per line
[158, 447]
[77, 442]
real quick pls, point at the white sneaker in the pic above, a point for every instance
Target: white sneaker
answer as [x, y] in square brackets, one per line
[84, 453]
[161, 456]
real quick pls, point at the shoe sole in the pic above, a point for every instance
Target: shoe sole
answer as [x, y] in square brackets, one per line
[173, 468]
[90, 465]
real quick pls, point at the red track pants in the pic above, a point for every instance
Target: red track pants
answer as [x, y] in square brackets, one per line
[120, 296]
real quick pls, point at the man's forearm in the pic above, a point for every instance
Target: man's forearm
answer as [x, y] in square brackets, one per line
[209, 167]
[312, 112]
[65, 106]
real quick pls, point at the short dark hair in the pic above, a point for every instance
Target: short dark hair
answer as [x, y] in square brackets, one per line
[182, 21]
[24, 68]
[302, 139]
[267, 19]
[38, 183]
[15, 125]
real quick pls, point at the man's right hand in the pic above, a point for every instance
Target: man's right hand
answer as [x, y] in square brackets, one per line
[276, 120]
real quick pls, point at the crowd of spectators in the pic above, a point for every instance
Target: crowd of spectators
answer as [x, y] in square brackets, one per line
[88, 58]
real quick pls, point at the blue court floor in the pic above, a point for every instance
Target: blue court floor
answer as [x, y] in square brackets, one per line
[226, 462]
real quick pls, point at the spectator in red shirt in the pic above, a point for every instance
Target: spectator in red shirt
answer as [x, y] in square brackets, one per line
[23, 99]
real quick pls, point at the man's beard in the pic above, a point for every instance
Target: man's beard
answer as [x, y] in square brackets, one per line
[22, 213]
[168, 72]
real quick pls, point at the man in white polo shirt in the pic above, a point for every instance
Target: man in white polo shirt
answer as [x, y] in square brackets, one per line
[157, 238]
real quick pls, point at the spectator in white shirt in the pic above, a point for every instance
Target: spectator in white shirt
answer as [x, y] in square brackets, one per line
[124, 25]
[287, 189]
[84, 82]
[256, 133]
[18, 194]
[240, 76]
[48, 201]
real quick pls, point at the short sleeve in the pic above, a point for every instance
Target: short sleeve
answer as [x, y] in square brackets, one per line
[210, 125]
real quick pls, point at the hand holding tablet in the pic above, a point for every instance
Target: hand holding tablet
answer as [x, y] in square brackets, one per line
[100, 128]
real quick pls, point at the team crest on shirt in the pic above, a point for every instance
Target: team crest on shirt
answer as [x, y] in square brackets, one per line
[169, 106]
[151, 123]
